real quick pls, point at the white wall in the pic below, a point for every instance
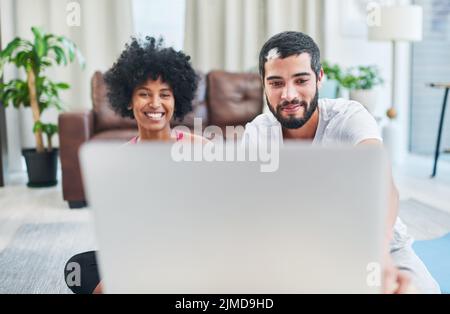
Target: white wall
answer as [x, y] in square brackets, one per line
[168, 22]
[348, 47]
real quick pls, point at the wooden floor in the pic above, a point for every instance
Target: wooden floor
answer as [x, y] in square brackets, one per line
[413, 180]
[428, 212]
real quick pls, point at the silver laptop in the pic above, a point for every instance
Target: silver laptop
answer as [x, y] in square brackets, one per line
[315, 225]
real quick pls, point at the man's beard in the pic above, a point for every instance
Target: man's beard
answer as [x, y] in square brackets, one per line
[292, 122]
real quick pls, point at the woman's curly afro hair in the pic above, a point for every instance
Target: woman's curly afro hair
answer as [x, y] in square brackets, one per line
[149, 59]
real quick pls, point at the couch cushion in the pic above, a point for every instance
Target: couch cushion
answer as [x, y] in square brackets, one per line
[122, 135]
[105, 118]
[233, 98]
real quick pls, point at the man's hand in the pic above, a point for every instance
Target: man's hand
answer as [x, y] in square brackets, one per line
[396, 281]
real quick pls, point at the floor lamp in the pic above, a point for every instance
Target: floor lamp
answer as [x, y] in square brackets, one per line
[398, 23]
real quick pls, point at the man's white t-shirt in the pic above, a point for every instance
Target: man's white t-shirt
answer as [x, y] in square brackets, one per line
[340, 122]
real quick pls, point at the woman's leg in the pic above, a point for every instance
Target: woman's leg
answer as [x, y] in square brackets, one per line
[81, 273]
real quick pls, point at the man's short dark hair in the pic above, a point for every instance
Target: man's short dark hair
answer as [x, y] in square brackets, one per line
[288, 44]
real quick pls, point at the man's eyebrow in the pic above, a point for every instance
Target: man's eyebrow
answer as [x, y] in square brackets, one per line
[275, 77]
[301, 74]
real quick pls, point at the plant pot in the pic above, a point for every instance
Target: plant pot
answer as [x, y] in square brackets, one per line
[329, 89]
[366, 97]
[41, 167]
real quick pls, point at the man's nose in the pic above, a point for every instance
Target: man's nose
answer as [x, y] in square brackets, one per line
[289, 93]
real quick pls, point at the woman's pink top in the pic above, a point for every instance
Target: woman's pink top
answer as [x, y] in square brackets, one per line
[179, 137]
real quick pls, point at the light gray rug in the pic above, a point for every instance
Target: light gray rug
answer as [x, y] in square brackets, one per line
[34, 259]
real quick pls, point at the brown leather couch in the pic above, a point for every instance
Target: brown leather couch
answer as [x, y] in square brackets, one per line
[222, 99]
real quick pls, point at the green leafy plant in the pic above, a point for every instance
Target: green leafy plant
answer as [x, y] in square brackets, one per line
[361, 77]
[38, 91]
[332, 72]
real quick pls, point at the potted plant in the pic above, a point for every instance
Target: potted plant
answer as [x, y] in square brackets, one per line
[331, 87]
[361, 82]
[39, 92]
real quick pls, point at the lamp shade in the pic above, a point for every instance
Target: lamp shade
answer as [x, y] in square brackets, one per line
[399, 23]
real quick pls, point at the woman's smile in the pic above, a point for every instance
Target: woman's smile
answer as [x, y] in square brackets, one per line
[154, 116]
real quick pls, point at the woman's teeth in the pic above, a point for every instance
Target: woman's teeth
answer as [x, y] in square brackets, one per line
[155, 115]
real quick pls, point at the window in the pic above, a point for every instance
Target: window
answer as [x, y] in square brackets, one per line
[431, 63]
[160, 18]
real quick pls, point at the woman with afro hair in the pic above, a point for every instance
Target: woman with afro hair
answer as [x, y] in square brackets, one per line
[152, 84]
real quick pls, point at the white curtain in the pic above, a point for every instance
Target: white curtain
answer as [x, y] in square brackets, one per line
[105, 26]
[228, 34]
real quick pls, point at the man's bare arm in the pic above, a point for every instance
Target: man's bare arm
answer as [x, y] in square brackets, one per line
[395, 281]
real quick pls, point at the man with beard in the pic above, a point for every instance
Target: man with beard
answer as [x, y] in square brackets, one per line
[290, 69]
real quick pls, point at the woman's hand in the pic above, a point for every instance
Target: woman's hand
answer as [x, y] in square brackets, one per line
[98, 289]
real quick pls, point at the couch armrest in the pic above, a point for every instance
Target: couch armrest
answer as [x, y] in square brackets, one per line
[75, 128]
